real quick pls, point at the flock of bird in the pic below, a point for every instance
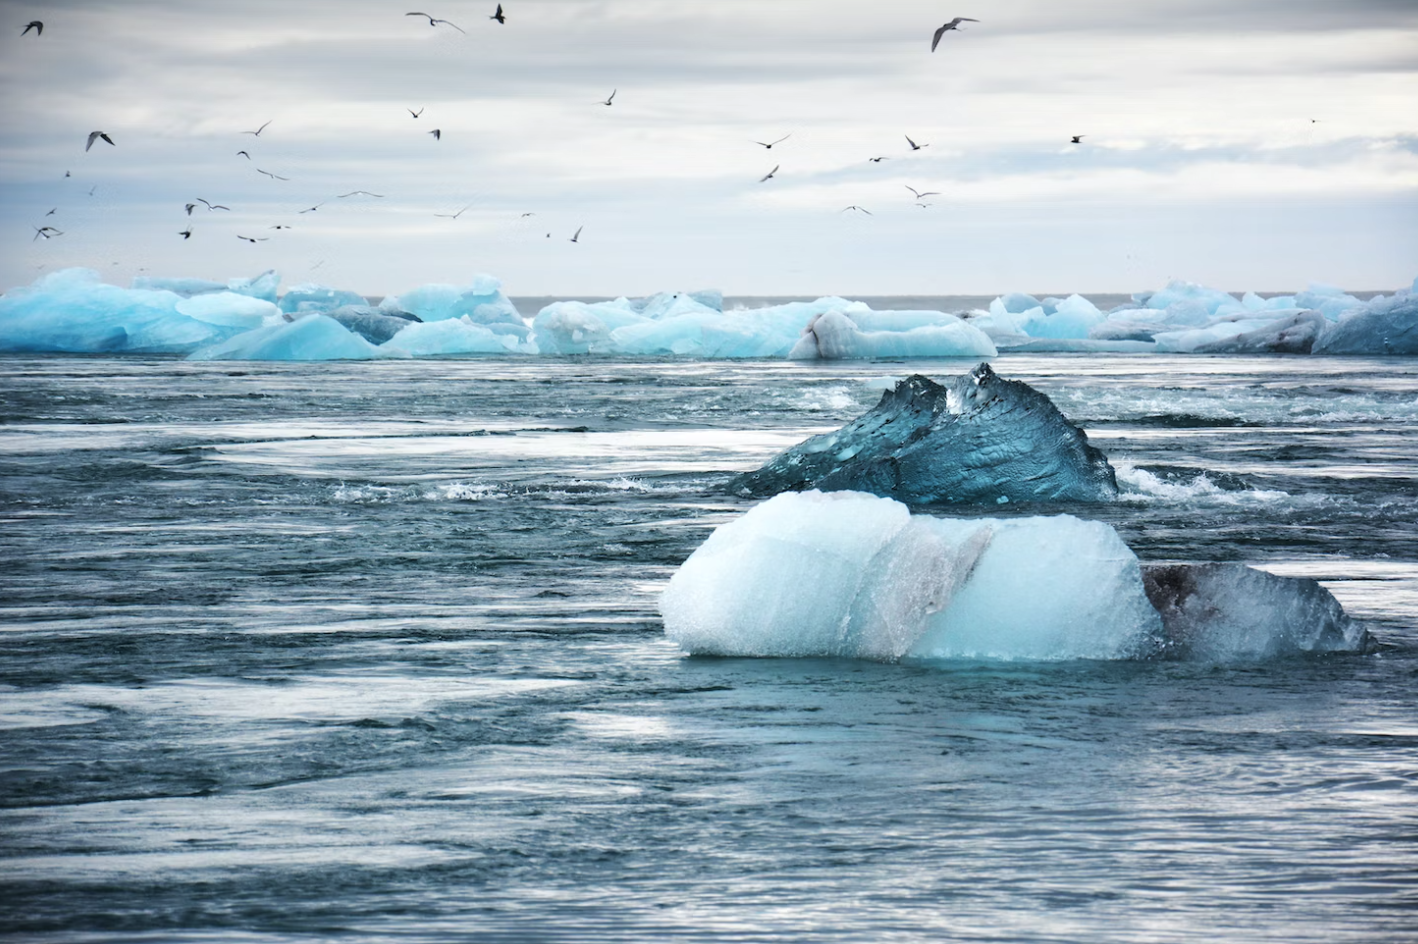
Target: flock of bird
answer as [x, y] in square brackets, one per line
[499, 16]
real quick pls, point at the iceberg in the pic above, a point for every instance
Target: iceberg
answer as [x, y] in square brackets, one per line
[835, 335]
[482, 302]
[374, 325]
[311, 297]
[1385, 325]
[1226, 612]
[981, 439]
[457, 336]
[311, 338]
[853, 575]
[263, 286]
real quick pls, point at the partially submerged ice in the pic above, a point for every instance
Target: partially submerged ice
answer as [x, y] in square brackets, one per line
[846, 574]
[981, 439]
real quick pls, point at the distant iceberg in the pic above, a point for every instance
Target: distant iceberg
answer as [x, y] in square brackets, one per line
[846, 574]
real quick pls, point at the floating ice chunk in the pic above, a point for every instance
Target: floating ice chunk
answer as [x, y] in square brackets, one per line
[311, 338]
[1274, 333]
[1179, 291]
[670, 305]
[1386, 325]
[310, 297]
[71, 310]
[455, 336]
[482, 302]
[230, 310]
[1224, 612]
[374, 325]
[982, 439]
[848, 574]
[834, 334]
[578, 327]
[264, 286]
[1072, 318]
[1016, 303]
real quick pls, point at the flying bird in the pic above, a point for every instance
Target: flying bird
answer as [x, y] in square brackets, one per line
[769, 175]
[213, 206]
[779, 141]
[48, 232]
[186, 233]
[94, 136]
[356, 193]
[453, 216]
[952, 25]
[312, 209]
[269, 174]
[437, 134]
[1077, 139]
[434, 21]
[92, 189]
[52, 212]
[525, 215]
[498, 15]
[190, 208]
[577, 237]
[878, 160]
[611, 98]
[243, 154]
[253, 239]
[417, 113]
[855, 207]
[914, 145]
[281, 226]
[919, 194]
[258, 131]
[67, 174]
[35, 25]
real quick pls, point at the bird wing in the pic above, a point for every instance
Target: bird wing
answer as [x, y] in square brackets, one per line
[784, 138]
[935, 39]
[93, 136]
[612, 96]
[910, 142]
[452, 24]
[106, 137]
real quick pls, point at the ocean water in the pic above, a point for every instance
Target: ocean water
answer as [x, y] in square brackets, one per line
[370, 652]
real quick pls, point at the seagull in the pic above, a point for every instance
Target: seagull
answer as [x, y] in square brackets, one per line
[92, 189]
[914, 145]
[416, 113]
[453, 216]
[280, 226]
[35, 25]
[855, 207]
[356, 193]
[312, 209]
[611, 98]
[269, 174]
[525, 215]
[1077, 139]
[258, 131]
[67, 174]
[498, 15]
[437, 134]
[434, 21]
[779, 141]
[48, 232]
[52, 212]
[769, 175]
[919, 194]
[878, 160]
[213, 206]
[243, 154]
[952, 25]
[190, 208]
[253, 239]
[94, 136]
[577, 237]
[924, 205]
[186, 233]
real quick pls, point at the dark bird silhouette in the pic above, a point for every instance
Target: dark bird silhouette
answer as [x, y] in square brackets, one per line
[67, 174]
[779, 141]
[952, 25]
[914, 145]
[281, 226]
[94, 136]
[453, 216]
[190, 208]
[769, 175]
[1077, 139]
[253, 239]
[52, 212]
[258, 131]
[186, 233]
[498, 15]
[269, 174]
[48, 232]
[437, 134]
[417, 113]
[92, 189]
[312, 209]
[434, 21]
[878, 160]
[919, 194]
[212, 206]
[576, 238]
[855, 207]
[243, 154]
[356, 193]
[611, 98]
[35, 25]
[525, 215]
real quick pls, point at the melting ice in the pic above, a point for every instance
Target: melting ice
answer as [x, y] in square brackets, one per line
[72, 310]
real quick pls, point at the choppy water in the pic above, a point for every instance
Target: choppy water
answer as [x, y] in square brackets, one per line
[370, 651]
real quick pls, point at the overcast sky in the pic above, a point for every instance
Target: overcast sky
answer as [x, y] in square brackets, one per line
[1240, 143]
